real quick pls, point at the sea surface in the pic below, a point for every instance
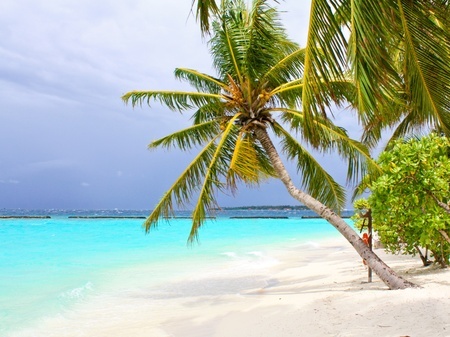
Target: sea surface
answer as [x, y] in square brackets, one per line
[48, 266]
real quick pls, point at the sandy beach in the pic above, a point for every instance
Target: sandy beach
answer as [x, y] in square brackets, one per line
[327, 297]
[315, 290]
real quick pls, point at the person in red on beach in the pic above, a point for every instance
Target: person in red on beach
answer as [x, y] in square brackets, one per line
[366, 239]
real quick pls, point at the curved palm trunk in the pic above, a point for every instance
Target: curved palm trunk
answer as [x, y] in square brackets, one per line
[384, 272]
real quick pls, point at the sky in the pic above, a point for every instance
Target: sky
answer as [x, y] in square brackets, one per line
[67, 139]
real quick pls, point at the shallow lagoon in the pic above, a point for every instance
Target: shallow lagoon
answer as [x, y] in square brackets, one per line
[49, 266]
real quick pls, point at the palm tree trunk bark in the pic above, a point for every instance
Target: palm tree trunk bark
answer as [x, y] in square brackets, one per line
[384, 272]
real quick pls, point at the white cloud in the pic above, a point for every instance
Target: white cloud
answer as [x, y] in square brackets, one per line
[9, 181]
[51, 164]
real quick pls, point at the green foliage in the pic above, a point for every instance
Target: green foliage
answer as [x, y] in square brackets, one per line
[404, 199]
[397, 53]
[258, 85]
[361, 207]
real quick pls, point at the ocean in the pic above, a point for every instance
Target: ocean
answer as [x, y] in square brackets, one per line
[51, 267]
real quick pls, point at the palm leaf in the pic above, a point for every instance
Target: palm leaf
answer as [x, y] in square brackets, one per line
[370, 59]
[189, 137]
[334, 138]
[206, 200]
[287, 69]
[427, 59]
[399, 55]
[287, 86]
[212, 111]
[174, 100]
[227, 49]
[183, 188]
[202, 82]
[244, 163]
[314, 178]
[205, 9]
[263, 24]
[325, 58]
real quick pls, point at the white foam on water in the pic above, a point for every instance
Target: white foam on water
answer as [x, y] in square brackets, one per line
[311, 244]
[78, 292]
[230, 254]
[256, 253]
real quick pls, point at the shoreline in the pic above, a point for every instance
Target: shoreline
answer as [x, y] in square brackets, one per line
[325, 293]
[314, 289]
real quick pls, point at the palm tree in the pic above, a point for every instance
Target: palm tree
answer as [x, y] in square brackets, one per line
[255, 96]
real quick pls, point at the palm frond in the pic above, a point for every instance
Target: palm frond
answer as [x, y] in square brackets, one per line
[315, 179]
[399, 54]
[427, 59]
[370, 57]
[325, 58]
[205, 9]
[182, 190]
[419, 97]
[228, 49]
[202, 82]
[244, 163]
[188, 138]
[287, 86]
[287, 69]
[288, 94]
[208, 112]
[262, 25]
[240, 45]
[334, 139]
[206, 200]
[174, 100]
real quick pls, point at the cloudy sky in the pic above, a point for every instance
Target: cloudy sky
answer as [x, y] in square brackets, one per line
[67, 139]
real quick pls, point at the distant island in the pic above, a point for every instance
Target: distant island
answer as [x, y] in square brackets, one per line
[274, 208]
[264, 208]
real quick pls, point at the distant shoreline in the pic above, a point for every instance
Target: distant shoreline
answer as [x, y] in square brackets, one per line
[25, 217]
[143, 217]
[238, 212]
[264, 208]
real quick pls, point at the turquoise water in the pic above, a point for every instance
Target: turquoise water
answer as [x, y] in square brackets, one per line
[47, 266]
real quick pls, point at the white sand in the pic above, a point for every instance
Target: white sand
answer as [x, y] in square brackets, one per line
[317, 291]
[327, 297]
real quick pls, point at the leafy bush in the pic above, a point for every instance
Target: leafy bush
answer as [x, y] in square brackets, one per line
[409, 201]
